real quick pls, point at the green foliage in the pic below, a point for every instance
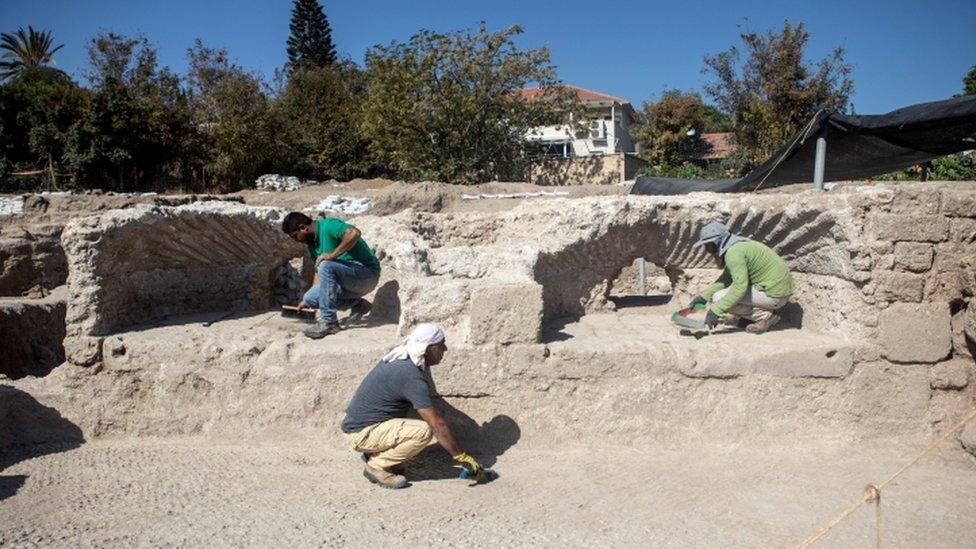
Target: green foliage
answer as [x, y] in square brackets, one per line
[969, 82]
[663, 125]
[310, 44]
[686, 170]
[775, 91]
[38, 109]
[690, 171]
[25, 50]
[447, 107]
[321, 111]
[954, 167]
[136, 125]
[234, 116]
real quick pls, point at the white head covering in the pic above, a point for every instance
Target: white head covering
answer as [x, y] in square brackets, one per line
[416, 344]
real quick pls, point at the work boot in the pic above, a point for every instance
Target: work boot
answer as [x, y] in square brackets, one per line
[730, 320]
[761, 326]
[321, 329]
[384, 478]
[357, 312]
[398, 469]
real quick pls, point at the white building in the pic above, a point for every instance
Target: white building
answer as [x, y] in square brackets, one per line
[607, 127]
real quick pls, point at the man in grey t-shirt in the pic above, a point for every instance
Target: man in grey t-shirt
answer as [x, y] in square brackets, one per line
[375, 422]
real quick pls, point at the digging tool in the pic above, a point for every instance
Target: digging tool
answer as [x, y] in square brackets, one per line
[681, 318]
[292, 311]
[689, 323]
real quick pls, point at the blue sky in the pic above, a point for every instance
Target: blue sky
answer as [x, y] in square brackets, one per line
[902, 51]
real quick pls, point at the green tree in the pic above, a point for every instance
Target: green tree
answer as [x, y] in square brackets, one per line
[664, 125]
[321, 110]
[448, 107]
[38, 109]
[25, 50]
[310, 43]
[775, 91]
[137, 127]
[969, 82]
[234, 115]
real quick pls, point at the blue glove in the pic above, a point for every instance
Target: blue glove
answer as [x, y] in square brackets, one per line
[699, 300]
[711, 319]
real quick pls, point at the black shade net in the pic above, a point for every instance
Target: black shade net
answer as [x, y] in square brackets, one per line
[858, 147]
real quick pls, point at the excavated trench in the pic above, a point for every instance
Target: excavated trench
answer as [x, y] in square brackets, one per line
[556, 370]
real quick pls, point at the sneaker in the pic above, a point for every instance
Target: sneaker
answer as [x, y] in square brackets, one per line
[321, 329]
[384, 478]
[357, 312]
[763, 325]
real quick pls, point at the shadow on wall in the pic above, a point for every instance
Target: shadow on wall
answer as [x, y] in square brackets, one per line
[28, 429]
[386, 304]
[485, 441]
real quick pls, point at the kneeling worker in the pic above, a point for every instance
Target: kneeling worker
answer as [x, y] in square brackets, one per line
[754, 284]
[345, 269]
[376, 423]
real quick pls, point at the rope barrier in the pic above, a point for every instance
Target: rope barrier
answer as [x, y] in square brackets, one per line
[872, 494]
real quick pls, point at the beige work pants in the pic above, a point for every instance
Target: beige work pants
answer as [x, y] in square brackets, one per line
[391, 442]
[755, 305]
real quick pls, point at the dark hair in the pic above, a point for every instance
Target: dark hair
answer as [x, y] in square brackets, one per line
[293, 221]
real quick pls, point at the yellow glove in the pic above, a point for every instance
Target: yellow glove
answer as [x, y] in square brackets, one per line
[477, 471]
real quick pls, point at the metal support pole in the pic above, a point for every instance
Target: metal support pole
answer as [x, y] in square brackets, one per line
[641, 277]
[819, 163]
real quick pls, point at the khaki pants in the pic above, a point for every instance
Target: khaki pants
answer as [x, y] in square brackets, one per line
[755, 305]
[391, 442]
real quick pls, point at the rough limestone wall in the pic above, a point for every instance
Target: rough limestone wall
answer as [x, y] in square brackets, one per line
[129, 267]
[454, 271]
[33, 330]
[854, 253]
[30, 254]
[585, 248]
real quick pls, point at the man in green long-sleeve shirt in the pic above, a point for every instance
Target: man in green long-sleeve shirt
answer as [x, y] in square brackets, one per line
[754, 284]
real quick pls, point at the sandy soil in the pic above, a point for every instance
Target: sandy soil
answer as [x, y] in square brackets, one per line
[191, 492]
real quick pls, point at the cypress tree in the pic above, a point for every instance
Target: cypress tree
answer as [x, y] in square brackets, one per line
[310, 43]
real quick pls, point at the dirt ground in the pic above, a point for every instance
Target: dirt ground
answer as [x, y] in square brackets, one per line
[192, 492]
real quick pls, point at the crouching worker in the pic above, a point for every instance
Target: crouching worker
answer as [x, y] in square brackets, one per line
[376, 422]
[345, 269]
[754, 284]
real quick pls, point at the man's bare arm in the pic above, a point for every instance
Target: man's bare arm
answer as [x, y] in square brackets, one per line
[445, 437]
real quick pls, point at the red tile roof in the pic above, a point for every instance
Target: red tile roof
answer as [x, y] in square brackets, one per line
[585, 95]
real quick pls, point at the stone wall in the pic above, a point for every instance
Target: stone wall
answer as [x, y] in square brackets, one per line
[136, 266]
[885, 279]
[870, 262]
[609, 169]
[33, 331]
[854, 254]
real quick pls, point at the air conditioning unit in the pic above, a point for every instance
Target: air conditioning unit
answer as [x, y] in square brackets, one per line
[597, 129]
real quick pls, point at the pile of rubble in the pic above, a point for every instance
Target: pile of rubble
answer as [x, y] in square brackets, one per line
[11, 206]
[275, 182]
[342, 204]
[288, 283]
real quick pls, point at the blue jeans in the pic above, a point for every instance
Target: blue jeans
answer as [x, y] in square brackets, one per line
[341, 284]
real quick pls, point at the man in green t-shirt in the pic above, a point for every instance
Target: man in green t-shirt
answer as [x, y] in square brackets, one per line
[755, 282]
[346, 269]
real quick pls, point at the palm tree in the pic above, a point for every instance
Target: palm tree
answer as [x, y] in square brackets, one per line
[24, 50]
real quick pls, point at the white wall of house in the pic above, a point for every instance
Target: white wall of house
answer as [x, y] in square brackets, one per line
[608, 133]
